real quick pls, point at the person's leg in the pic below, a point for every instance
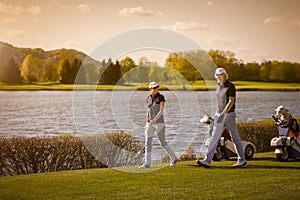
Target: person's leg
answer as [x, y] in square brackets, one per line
[216, 135]
[161, 133]
[230, 123]
[149, 131]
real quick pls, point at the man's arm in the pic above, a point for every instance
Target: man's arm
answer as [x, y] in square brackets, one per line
[229, 105]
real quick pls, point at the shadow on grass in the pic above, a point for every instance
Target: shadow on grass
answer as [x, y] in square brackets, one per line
[271, 167]
[264, 158]
[248, 166]
[272, 164]
[258, 159]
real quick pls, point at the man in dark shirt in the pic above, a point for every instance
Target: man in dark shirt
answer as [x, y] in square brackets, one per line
[225, 117]
[155, 123]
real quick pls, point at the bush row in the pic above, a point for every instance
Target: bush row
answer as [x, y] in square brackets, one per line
[259, 133]
[48, 154]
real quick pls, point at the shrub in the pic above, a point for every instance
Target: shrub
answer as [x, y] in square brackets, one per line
[47, 154]
[115, 149]
[259, 133]
[188, 155]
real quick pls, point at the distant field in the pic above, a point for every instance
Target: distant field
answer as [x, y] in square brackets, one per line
[262, 178]
[199, 85]
[247, 85]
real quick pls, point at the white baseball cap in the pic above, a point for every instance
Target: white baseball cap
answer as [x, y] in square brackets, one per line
[220, 71]
[153, 84]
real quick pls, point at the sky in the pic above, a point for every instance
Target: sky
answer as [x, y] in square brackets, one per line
[254, 31]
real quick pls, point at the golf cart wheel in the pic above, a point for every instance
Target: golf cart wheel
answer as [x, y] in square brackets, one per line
[283, 157]
[249, 151]
[218, 155]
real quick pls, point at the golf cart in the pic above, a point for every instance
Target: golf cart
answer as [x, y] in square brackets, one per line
[226, 147]
[285, 144]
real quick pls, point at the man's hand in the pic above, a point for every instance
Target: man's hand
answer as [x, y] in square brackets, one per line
[152, 122]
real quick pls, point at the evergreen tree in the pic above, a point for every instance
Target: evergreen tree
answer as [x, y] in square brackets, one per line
[116, 78]
[68, 71]
[11, 72]
[77, 72]
[65, 71]
[111, 75]
[107, 74]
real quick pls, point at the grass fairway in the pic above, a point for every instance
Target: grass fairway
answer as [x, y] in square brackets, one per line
[262, 178]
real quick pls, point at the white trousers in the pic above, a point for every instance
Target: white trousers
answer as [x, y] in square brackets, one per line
[159, 129]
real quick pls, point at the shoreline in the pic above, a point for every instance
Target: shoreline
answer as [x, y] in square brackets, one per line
[188, 90]
[196, 86]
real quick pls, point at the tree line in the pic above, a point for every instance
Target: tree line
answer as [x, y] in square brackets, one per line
[179, 67]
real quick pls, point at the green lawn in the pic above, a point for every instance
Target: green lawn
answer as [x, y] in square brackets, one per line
[262, 178]
[57, 86]
[199, 85]
[248, 85]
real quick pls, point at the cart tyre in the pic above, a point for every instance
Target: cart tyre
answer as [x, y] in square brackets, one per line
[249, 151]
[283, 157]
[218, 155]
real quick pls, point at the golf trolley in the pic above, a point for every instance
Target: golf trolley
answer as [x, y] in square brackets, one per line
[226, 147]
[286, 146]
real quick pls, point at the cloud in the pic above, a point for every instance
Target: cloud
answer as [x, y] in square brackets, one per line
[15, 33]
[41, 38]
[273, 20]
[85, 8]
[209, 3]
[71, 43]
[246, 54]
[295, 23]
[63, 6]
[18, 10]
[189, 26]
[138, 12]
[222, 41]
[7, 20]
[36, 20]
[34, 10]
[277, 20]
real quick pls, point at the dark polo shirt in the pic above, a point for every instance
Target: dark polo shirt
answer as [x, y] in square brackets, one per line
[223, 92]
[154, 106]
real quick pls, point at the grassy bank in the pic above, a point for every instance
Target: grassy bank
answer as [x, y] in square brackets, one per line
[262, 178]
[198, 86]
[247, 85]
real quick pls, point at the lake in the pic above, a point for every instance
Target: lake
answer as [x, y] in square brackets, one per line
[50, 113]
